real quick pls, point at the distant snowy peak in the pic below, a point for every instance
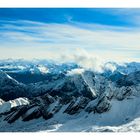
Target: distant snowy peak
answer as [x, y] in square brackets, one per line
[35, 66]
[130, 67]
[65, 79]
[44, 66]
[43, 69]
[123, 68]
[38, 69]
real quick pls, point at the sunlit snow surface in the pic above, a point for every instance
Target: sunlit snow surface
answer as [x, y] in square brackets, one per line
[6, 106]
[124, 116]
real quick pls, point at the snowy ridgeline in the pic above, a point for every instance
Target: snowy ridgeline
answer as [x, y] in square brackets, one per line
[73, 99]
[115, 120]
[6, 106]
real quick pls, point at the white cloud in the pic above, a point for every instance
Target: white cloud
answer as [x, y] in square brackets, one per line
[110, 66]
[75, 71]
[81, 43]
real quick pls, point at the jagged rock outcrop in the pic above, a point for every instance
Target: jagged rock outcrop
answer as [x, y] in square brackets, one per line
[84, 91]
[6, 107]
[76, 105]
[47, 106]
[32, 113]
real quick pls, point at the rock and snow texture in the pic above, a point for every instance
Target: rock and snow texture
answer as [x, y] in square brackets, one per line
[7, 106]
[115, 119]
[74, 99]
[10, 88]
[1, 101]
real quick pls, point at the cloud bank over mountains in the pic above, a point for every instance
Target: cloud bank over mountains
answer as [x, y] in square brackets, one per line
[74, 41]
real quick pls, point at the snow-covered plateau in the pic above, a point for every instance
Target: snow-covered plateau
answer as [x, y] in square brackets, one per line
[44, 96]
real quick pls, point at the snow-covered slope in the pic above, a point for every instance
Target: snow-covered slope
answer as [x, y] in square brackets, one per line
[115, 119]
[66, 113]
[74, 100]
[7, 106]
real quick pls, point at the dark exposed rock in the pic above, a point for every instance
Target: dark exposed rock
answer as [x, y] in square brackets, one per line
[76, 105]
[98, 105]
[125, 91]
[49, 111]
[15, 115]
[91, 107]
[103, 105]
[32, 113]
[45, 114]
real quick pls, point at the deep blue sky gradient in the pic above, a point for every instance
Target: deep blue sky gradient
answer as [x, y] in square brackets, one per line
[63, 15]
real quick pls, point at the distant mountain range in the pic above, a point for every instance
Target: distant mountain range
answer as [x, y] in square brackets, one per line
[68, 97]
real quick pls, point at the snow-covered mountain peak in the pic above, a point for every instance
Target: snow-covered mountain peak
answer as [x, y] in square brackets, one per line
[5, 77]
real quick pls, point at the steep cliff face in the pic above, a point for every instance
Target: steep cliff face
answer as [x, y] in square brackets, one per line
[10, 88]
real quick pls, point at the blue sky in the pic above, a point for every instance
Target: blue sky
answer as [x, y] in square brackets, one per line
[63, 15]
[70, 34]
